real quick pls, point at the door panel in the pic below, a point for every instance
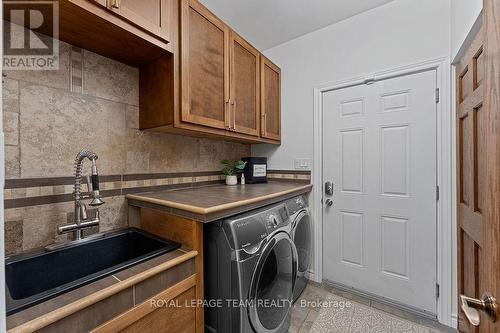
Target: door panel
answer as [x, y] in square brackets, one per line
[379, 150]
[245, 84]
[270, 99]
[205, 66]
[477, 175]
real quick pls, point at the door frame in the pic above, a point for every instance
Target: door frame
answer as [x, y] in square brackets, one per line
[445, 169]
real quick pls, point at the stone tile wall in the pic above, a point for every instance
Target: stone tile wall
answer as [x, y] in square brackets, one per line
[91, 102]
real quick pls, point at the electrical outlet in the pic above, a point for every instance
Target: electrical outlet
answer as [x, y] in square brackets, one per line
[302, 163]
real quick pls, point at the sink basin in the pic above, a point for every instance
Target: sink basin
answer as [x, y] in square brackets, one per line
[35, 277]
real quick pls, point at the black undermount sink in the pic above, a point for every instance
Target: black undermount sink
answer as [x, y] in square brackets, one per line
[35, 277]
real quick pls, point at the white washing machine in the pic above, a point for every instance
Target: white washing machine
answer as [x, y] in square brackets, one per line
[302, 237]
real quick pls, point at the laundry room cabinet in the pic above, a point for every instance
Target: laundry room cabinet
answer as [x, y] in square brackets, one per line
[270, 76]
[150, 15]
[218, 83]
[204, 67]
[220, 74]
[244, 97]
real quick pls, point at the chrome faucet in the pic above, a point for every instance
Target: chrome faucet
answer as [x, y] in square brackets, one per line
[81, 219]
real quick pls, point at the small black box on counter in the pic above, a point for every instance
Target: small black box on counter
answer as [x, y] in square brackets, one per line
[255, 169]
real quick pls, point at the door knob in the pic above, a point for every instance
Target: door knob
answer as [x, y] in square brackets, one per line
[329, 202]
[472, 306]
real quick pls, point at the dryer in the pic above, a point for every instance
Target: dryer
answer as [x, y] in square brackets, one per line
[302, 236]
[250, 270]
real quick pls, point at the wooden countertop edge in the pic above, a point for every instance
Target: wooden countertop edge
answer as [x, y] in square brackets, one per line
[215, 209]
[69, 309]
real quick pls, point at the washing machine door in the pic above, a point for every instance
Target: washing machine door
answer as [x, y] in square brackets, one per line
[271, 289]
[302, 238]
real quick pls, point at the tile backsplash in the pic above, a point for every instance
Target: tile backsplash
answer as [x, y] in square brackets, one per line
[91, 102]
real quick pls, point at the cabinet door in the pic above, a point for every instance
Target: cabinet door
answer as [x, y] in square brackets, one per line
[270, 94]
[150, 15]
[180, 319]
[244, 116]
[204, 67]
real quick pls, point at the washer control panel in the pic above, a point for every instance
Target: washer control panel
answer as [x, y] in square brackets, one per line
[276, 219]
[251, 228]
[295, 204]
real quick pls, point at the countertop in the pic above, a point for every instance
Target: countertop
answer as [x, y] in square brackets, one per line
[206, 204]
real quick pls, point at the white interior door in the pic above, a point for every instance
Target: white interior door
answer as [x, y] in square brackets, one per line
[379, 150]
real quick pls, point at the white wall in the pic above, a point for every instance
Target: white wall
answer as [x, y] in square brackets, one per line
[396, 34]
[399, 33]
[463, 15]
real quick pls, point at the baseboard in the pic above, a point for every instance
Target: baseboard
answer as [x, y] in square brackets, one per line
[310, 275]
[454, 320]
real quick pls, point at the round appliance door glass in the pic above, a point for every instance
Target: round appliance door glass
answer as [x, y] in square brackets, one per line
[302, 238]
[272, 284]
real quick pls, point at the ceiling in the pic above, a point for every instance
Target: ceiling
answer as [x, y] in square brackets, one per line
[266, 23]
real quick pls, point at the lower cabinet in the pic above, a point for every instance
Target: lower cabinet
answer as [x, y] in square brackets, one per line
[173, 310]
[168, 319]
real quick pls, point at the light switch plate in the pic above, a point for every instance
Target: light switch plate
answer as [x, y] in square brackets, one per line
[302, 163]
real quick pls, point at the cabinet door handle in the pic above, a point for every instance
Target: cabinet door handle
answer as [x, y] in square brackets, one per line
[234, 115]
[227, 105]
[115, 4]
[264, 121]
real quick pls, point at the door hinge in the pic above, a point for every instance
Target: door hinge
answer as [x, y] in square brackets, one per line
[437, 193]
[437, 290]
[437, 95]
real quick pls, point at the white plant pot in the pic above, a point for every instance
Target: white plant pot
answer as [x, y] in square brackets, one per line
[231, 180]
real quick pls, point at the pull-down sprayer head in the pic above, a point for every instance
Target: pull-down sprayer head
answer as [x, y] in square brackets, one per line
[96, 201]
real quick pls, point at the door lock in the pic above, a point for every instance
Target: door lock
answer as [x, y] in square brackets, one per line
[329, 188]
[472, 306]
[329, 202]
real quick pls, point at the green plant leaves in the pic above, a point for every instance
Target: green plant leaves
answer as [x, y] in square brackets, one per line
[231, 167]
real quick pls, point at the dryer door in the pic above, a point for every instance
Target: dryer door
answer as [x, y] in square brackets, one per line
[271, 290]
[302, 238]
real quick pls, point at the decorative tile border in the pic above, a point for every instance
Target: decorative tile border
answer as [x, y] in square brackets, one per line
[41, 191]
[287, 175]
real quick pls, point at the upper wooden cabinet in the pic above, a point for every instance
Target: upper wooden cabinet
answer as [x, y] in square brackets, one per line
[215, 85]
[245, 82]
[270, 99]
[204, 67]
[150, 15]
[132, 32]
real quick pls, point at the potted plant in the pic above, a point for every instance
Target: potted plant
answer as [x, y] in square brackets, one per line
[231, 168]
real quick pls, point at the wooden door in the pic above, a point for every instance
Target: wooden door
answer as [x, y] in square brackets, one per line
[245, 83]
[478, 169]
[270, 94]
[150, 15]
[204, 67]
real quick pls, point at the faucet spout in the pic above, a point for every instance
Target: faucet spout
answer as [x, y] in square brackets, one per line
[81, 219]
